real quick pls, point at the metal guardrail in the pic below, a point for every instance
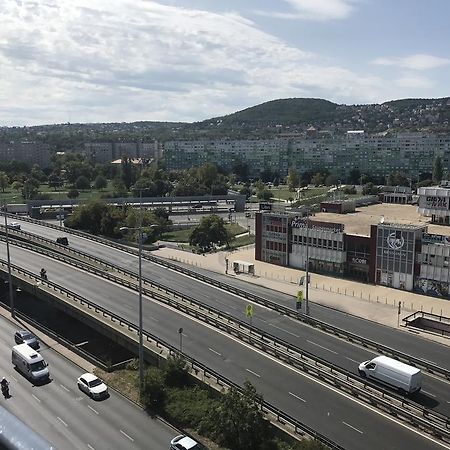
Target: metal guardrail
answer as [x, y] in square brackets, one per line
[282, 417]
[322, 325]
[428, 321]
[296, 357]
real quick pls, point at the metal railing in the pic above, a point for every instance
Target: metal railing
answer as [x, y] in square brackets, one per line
[296, 357]
[322, 325]
[196, 366]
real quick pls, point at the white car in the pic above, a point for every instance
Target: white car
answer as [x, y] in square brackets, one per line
[183, 442]
[92, 385]
[14, 225]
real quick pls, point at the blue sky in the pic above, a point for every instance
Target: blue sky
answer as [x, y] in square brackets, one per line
[188, 60]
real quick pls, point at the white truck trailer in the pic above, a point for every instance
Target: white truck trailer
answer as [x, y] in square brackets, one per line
[407, 379]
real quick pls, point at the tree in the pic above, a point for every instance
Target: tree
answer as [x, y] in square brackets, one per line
[265, 195]
[17, 186]
[100, 182]
[210, 232]
[293, 179]
[119, 188]
[397, 179]
[207, 174]
[437, 170]
[176, 372]
[354, 176]
[154, 391]
[30, 189]
[128, 172]
[331, 180]
[4, 181]
[54, 180]
[317, 179]
[238, 422]
[82, 182]
[245, 190]
[73, 193]
[38, 174]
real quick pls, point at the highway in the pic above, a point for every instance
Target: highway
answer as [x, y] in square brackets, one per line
[68, 418]
[436, 392]
[343, 420]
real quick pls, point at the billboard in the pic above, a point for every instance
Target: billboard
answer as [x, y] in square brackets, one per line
[435, 202]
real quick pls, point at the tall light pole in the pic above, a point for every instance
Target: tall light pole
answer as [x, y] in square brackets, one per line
[140, 326]
[141, 342]
[8, 258]
[307, 266]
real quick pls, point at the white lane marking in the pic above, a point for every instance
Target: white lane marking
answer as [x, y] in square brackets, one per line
[428, 393]
[90, 446]
[282, 329]
[297, 397]
[92, 409]
[36, 398]
[353, 360]
[212, 350]
[67, 390]
[62, 421]
[321, 346]
[125, 434]
[353, 428]
[253, 373]
[153, 318]
[13, 377]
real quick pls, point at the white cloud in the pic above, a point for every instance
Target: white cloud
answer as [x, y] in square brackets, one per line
[319, 10]
[125, 60]
[414, 82]
[414, 62]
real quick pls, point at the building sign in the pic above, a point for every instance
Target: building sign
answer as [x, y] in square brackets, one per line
[300, 222]
[265, 206]
[394, 242]
[436, 202]
[435, 239]
[355, 260]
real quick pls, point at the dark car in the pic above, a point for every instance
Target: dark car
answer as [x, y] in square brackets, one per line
[26, 337]
[62, 240]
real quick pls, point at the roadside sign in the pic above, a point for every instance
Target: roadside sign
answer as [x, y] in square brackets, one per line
[249, 310]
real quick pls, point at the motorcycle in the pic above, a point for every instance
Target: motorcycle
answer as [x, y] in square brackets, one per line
[5, 390]
[44, 274]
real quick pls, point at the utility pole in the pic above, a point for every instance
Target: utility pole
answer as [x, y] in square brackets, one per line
[307, 267]
[8, 258]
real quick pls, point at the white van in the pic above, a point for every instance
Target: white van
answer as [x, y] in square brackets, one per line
[407, 379]
[30, 363]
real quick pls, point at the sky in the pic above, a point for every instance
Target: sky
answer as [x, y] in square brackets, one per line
[189, 60]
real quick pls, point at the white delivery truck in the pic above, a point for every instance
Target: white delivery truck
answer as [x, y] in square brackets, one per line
[407, 379]
[30, 363]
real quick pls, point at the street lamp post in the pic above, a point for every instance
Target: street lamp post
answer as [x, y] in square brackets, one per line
[307, 266]
[8, 259]
[141, 343]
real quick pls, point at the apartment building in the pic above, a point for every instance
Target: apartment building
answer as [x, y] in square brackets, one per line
[412, 153]
[105, 152]
[258, 154]
[25, 151]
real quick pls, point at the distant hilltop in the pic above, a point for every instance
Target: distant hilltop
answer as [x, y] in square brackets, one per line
[283, 116]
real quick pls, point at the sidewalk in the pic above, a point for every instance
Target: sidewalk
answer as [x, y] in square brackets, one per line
[375, 303]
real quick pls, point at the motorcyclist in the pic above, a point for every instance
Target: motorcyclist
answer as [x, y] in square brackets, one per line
[5, 387]
[43, 274]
